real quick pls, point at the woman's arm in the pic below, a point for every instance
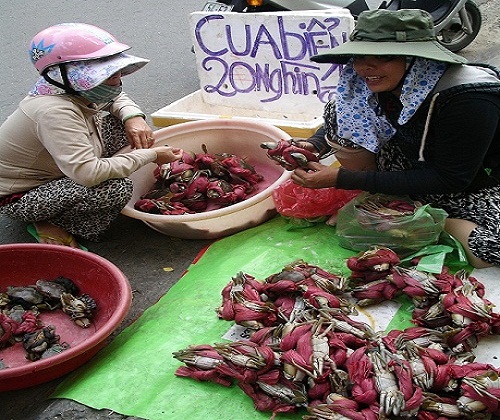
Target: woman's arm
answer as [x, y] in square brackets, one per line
[138, 131]
[64, 132]
[460, 138]
[457, 144]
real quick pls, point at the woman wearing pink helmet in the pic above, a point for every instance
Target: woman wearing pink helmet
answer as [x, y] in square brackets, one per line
[59, 167]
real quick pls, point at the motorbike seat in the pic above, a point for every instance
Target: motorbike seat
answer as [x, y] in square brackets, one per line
[438, 9]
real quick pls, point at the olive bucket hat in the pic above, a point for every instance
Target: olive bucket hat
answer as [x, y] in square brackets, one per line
[405, 32]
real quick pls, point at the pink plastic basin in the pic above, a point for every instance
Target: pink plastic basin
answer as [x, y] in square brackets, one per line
[24, 264]
[236, 136]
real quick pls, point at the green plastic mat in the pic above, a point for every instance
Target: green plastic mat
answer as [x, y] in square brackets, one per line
[134, 374]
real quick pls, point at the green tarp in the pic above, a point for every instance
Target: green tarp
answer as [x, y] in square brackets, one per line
[134, 374]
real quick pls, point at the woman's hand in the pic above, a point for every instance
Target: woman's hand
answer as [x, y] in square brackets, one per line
[167, 154]
[304, 144]
[316, 176]
[139, 133]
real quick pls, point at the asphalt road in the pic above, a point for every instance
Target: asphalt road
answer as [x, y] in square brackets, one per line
[159, 31]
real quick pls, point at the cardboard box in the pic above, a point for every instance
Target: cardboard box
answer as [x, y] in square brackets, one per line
[193, 108]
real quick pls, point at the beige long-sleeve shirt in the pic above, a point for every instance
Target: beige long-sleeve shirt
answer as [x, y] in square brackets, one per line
[49, 137]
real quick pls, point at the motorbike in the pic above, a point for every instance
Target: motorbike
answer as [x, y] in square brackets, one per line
[457, 22]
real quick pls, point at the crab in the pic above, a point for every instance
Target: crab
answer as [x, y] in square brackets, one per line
[54, 350]
[391, 398]
[22, 320]
[36, 343]
[4, 300]
[68, 284]
[288, 154]
[80, 309]
[51, 291]
[26, 296]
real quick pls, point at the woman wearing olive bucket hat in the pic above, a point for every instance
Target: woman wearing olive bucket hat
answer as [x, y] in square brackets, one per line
[412, 118]
[58, 168]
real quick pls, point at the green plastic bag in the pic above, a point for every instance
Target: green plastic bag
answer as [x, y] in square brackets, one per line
[449, 252]
[398, 223]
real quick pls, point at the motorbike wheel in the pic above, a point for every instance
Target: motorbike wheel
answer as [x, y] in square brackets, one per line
[454, 37]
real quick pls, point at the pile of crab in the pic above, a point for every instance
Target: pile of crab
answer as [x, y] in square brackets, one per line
[306, 351]
[20, 308]
[289, 154]
[199, 182]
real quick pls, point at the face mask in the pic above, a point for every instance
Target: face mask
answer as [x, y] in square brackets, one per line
[101, 93]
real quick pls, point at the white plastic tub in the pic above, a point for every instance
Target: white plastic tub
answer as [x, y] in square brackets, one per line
[193, 108]
[236, 136]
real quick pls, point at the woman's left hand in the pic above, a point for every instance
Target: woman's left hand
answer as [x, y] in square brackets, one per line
[139, 133]
[316, 176]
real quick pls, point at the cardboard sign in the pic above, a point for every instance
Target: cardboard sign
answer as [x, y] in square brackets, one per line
[262, 60]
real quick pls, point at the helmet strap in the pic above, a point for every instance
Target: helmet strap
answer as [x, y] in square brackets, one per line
[64, 74]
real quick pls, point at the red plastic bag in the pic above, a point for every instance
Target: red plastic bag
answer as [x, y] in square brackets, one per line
[292, 200]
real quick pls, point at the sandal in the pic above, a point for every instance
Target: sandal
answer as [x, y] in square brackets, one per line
[63, 241]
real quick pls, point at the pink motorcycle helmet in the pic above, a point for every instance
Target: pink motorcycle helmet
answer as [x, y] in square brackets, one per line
[67, 42]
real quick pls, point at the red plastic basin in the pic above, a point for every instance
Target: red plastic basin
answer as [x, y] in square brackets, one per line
[24, 264]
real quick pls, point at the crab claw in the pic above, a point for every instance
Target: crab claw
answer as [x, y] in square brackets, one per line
[269, 145]
[300, 158]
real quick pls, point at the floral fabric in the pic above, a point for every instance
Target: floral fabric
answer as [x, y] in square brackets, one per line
[85, 75]
[358, 116]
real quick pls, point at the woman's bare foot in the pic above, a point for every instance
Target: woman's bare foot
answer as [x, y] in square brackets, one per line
[54, 235]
